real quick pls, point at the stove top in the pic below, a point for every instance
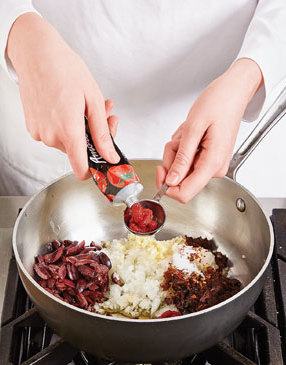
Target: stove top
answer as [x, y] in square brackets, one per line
[260, 339]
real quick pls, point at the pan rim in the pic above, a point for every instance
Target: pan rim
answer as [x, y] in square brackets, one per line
[155, 320]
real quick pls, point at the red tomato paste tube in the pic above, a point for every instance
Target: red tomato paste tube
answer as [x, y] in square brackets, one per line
[118, 182]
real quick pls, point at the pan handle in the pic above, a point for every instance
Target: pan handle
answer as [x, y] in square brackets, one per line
[276, 111]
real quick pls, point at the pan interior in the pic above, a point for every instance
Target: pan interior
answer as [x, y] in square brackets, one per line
[76, 210]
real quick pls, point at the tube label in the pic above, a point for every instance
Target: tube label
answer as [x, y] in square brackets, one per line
[110, 178]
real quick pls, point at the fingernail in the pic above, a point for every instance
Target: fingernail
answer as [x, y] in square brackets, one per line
[172, 178]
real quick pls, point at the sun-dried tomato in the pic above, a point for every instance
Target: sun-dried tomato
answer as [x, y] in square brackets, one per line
[194, 292]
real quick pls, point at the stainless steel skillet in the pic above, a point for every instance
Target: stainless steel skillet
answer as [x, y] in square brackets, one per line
[223, 211]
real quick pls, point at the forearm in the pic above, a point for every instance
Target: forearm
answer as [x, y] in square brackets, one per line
[10, 11]
[246, 75]
[27, 33]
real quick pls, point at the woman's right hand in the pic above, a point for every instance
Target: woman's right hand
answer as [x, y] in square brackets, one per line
[57, 90]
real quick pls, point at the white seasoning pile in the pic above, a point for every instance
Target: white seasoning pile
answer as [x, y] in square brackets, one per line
[140, 263]
[202, 258]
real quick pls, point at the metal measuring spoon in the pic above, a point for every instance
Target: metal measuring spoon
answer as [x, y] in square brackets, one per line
[157, 209]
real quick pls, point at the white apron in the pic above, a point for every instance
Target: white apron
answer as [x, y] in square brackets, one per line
[153, 58]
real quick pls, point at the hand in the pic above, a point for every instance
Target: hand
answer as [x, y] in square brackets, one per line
[57, 90]
[202, 146]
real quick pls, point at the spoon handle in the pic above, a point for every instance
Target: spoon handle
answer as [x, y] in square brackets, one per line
[161, 192]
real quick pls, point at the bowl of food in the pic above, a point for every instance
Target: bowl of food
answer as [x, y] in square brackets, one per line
[142, 298]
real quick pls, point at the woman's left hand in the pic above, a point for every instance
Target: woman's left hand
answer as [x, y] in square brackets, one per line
[202, 146]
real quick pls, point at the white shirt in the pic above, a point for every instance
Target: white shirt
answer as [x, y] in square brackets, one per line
[153, 58]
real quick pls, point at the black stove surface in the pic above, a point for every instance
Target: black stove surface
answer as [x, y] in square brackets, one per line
[260, 339]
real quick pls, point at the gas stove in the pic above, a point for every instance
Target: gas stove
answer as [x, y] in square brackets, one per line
[260, 339]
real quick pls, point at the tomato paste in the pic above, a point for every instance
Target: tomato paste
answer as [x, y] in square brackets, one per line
[111, 179]
[140, 219]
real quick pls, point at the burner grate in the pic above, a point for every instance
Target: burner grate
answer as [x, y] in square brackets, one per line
[279, 266]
